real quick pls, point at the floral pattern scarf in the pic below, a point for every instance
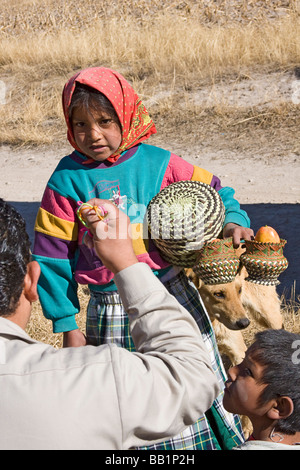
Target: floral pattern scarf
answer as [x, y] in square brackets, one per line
[135, 121]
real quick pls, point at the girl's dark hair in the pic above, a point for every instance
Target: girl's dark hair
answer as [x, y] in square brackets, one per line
[276, 351]
[14, 257]
[91, 99]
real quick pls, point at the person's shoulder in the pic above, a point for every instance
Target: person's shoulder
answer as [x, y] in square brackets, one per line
[153, 154]
[68, 161]
[265, 445]
[153, 148]
[65, 173]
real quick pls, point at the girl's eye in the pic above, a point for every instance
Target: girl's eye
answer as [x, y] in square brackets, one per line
[105, 122]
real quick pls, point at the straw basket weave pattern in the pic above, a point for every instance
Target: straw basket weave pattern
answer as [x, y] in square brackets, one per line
[182, 217]
[218, 262]
[264, 261]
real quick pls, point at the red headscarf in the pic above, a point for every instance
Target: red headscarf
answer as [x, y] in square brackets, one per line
[135, 121]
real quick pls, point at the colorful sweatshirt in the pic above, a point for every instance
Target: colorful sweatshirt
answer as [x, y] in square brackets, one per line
[132, 181]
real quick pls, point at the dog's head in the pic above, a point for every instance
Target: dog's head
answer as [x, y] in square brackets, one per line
[223, 301]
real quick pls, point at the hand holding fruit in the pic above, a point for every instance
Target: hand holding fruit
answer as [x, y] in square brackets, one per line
[237, 233]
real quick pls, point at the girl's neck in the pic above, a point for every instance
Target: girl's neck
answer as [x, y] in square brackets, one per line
[107, 164]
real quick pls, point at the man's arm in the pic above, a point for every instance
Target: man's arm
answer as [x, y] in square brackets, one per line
[169, 382]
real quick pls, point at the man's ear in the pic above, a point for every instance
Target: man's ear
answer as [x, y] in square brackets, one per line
[31, 281]
[282, 408]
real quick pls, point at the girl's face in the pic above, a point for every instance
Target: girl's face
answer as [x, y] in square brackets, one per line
[97, 135]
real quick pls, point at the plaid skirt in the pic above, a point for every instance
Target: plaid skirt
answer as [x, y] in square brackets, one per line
[107, 322]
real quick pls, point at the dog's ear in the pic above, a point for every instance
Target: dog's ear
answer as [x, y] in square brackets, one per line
[240, 250]
[192, 277]
[242, 271]
[240, 268]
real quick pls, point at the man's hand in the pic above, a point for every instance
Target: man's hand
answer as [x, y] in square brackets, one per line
[237, 233]
[111, 237]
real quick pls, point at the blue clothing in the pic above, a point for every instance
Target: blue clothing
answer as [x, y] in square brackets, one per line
[138, 175]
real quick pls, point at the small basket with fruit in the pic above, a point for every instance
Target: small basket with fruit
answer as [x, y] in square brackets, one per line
[263, 258]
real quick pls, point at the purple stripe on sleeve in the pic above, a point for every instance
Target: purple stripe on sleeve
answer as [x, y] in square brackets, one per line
[52, 247]
[216, 183]
[88, 260]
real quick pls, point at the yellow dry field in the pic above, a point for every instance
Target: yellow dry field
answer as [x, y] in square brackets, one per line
[41, 329]
[160, 46]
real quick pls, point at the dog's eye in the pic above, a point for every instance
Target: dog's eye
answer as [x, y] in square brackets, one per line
[219, 295]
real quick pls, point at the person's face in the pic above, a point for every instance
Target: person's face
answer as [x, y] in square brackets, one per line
[96, 134]
[242, 389]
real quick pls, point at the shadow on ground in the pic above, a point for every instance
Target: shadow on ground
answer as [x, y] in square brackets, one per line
[285, 218]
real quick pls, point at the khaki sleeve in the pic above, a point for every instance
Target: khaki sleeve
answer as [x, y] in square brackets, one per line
[169, 382]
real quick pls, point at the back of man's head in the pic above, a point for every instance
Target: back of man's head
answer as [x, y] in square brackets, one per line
[14, 257]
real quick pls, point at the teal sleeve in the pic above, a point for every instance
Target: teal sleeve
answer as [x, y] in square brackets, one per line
[57, 291]
[233, 212]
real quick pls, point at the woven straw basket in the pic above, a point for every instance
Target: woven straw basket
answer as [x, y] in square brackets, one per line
[264, 261]
[182, 217]
[218, 262]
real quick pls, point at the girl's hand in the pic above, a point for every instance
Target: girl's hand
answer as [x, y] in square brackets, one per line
[237, 233]
[74, 339]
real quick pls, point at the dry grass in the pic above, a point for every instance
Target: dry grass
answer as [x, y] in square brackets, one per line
[153, 43]
[291, 319]
[41, 329]
[178, 46]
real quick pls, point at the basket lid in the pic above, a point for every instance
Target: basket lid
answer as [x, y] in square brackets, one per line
[182, 217]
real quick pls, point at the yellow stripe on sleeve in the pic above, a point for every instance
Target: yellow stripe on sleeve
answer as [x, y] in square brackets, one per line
[202, 175]
[140, 245]
[51, 225]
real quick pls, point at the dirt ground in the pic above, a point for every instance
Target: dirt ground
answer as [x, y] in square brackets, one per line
[261, 164]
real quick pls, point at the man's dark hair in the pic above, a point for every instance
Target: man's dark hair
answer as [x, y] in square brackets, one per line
[14, 257]
[276, 351]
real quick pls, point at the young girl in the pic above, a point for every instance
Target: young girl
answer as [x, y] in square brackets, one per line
[107, 123]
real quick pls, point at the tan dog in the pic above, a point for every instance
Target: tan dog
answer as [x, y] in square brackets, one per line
[231, 306]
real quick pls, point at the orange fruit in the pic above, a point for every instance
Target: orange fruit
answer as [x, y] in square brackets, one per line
[267, 234]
